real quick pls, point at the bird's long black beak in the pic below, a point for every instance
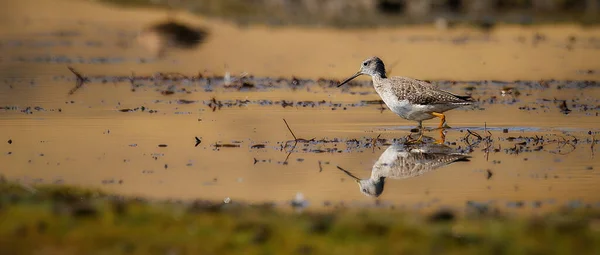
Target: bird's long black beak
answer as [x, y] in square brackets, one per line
[356, 179]
[349, 79]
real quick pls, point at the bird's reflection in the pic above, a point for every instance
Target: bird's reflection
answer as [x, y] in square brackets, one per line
[401, 161]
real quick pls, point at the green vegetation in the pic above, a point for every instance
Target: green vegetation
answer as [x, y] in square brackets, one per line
[66, 220]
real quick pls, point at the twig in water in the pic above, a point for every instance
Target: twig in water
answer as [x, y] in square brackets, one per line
[487, 139]
[286, 143]
[488, 143]
[288, 126]
[296, 140]
[198, 141]
[381, 108]
[80, 80]
[489, 174]
[374, 142]
[224, 145]
[285, 162]
[292, 132]
[562, 141]
[592, 146]
[472, 133]
[132, 80]
[485, 129]
[565, 153]
[214, 104]
[320, 167]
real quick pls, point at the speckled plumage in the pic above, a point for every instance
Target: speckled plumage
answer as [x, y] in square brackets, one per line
[409, 98]
[417, 92]
[400, 162]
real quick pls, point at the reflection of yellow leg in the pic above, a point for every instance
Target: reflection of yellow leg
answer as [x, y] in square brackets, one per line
[418, 139]
[442, 137]
[442, 119]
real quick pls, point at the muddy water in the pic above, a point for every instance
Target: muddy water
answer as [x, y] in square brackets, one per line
[532, 148]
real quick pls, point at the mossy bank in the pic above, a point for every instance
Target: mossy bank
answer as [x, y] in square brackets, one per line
[67, 220]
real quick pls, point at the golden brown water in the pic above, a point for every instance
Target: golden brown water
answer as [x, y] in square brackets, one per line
[84, 138]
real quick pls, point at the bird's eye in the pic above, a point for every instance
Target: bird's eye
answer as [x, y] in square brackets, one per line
[364, 63]
[365, 190]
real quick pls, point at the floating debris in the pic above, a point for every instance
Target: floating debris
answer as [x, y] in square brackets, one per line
[226, 145]
[563, 107]
[80, 80]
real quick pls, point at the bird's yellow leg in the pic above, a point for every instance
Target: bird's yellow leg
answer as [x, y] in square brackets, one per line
[442, 119]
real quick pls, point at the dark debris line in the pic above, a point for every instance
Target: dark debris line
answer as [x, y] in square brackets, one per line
[487, 92]
[249, 82]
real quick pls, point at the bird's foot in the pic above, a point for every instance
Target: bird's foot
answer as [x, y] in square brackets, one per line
[410, 140]
[417, 141]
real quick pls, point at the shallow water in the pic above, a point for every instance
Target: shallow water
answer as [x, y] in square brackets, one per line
[140, 138]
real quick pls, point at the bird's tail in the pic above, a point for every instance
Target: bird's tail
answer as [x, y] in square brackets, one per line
[466, 98]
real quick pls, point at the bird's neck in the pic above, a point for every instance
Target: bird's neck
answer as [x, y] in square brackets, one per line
[376, 177]
[378, 77]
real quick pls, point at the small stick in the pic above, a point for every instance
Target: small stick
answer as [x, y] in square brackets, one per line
[320, 167]
[285, 162]
[487, 141]
[80, 80]
[132, 78]
[79, 76]
[474, 134]
[565, 153]
[485, 129]
[592, 146]
[198, 141]
[467, 138]
[288, 126]
[293, 146]
[381, 108]
[374, 142]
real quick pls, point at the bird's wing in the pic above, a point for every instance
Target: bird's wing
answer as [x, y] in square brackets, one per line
[422, 92]
[416, 164]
